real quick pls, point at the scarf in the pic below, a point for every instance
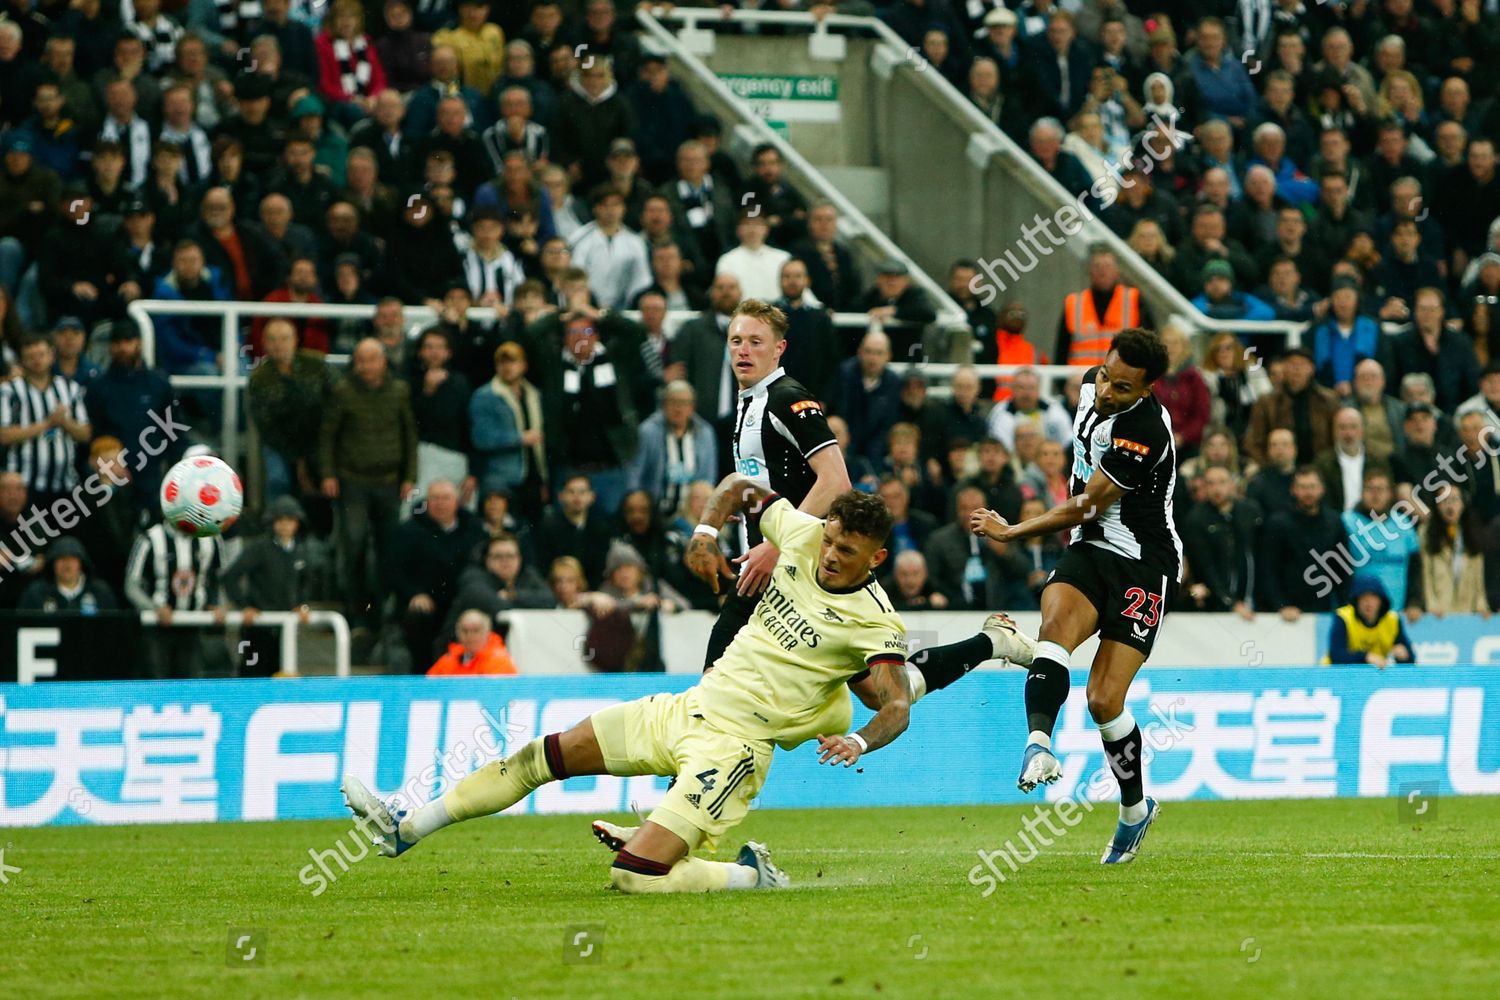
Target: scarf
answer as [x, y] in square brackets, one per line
[354, 65]
[531, 400]
[198, 161]
[135, 136]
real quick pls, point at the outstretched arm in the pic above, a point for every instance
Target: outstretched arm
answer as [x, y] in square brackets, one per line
[735, 495]
[889, 679]
[1099, 495]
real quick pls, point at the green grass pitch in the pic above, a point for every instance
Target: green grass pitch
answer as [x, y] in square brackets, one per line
[1269, 899]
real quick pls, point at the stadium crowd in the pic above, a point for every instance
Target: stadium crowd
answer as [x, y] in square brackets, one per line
[535, 158]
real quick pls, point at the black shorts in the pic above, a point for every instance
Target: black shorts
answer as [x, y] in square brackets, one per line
[1130, 597]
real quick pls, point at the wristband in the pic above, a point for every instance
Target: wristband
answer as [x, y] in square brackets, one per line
[859, 741]
[707, 530]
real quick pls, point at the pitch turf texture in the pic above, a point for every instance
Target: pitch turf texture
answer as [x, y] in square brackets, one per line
[1350, 898]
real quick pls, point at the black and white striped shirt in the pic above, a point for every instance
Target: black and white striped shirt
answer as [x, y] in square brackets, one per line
[503, 275]
[170, 569]
[47, 462]
[778, 427]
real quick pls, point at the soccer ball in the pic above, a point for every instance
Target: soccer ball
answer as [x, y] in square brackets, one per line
[201, 496]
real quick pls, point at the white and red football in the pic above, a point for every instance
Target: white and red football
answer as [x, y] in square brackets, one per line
[201, 496]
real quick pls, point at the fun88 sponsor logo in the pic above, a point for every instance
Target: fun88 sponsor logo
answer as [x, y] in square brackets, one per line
[749, 466]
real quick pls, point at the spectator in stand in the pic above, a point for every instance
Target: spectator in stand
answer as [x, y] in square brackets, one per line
[283, 569]
[29, 196]
[506, 424]
[367, 455]
[515, 131]
[1344, 465]
[589, 402]
[912, 588]
[700, 347]
[677, 448]
[1271, 486]
[1291, 241]
[831, 268]
[479, 43]
[1295, 579]
[964, 416]
[575, 528]
[1421, 448]
[970, 572]
[812, 347]
[1452, 578]
[1368, 629]
[898, 307]
[427, 553]
[616, 258]
[983, 87]
[454, 136]
[421, 260]
[1234, 383]
[1344, 339]
[440, 405]
[706, 206]
[1003, 492]
[1469, 200]
[1402, 270]
[70, 362]
[69, 584]
[341, 235]
[1220, 300]
[1219, 536]
[42, 422]
[20, 564]
[298, 51]
[1011, 346]
[664, 113]
[1284, 293]
[289, 239]
[170, 572]
[1299, 405]
[501, 582]
[81, 269]
[479, 650]
[781, 205]
[867, 394]
[756, 264]
[246, 261]
[962, 274]
[301, 288]
[590, 117]
[383, 134]
[287, 393]
[1383, 414]
[1026, 405]
[422, 106]
[1183, 392]
[1208, 241]
[1091, 317]
[1223, 88]
[404, 51]
[1485, 402]
[1384, 537]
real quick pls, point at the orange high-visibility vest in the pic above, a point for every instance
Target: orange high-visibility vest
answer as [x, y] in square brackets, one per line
[1089, 337]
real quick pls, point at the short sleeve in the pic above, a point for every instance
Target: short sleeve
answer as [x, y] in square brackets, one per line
[807, 424]
[1133, 452]
[786, 527]
[880, 642]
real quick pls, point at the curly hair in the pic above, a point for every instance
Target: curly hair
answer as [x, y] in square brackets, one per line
[1142, 349]
[862, 514]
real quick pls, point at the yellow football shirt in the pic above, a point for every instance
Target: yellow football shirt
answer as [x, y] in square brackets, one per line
[783, 676]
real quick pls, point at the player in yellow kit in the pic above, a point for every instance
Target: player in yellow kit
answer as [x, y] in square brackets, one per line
[822, 620]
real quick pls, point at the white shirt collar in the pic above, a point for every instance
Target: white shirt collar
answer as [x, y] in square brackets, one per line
[763, 384]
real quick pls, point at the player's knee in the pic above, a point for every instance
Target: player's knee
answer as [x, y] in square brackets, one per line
[634, 882]
[1104, 707]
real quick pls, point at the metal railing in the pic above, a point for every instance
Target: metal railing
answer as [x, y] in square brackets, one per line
[287, 621]
[986, 143]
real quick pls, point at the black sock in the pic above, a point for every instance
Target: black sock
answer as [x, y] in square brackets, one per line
[942, 665]
[1046, 690]
[1124, 756]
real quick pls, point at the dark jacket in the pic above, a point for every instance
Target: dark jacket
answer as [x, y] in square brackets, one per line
[1292, 573]
[1278, 410]
[120, 402]
[287, 408]
[1453, 367]
[425, 559]
[271, 578]
[870, 415]
[589, 544]
[1220, 550]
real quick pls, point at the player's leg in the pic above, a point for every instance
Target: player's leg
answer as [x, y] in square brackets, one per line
[717, 778]
[494, 787]
[1115, 667]
[733, 616]
[929, 670]
[1069, 616]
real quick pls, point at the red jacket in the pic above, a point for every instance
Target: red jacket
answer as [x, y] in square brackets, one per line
[1185, 398]
[330, 84]
[312, 334]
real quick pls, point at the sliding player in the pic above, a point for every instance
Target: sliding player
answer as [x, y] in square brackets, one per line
[821, 620]
[1117, 577]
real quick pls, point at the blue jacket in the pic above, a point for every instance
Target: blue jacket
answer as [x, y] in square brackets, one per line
[182, 341]
[1226, 93]
[499, 461]
[1242, 305]
[1336, 356]
[1292, 185]
[1388, 544]
[120, 403]
[649, 470]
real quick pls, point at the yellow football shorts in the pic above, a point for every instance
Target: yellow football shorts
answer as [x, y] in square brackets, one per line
[718, 775]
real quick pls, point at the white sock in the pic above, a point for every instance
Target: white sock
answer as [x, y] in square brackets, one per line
[1119, 727]
[1037, 736]
[741, 876]
[1133, 814]
[425, 821]
[916, 682]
